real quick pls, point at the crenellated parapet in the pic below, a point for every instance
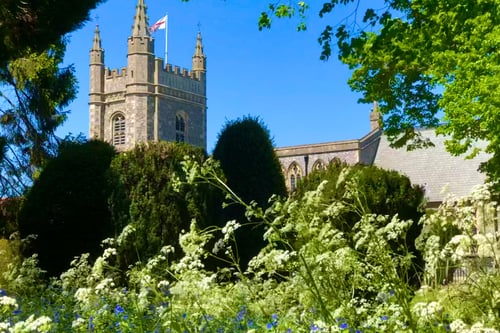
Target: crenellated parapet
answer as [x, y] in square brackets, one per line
[148, 99]
[176, 70]
[115, 73]
[180, 79]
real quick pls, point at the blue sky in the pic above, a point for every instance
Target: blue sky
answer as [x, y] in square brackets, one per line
[273, 74]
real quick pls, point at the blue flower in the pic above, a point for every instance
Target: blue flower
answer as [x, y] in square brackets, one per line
[384, 318]
[91, 324]
[184, 315]
[274, 317]
[344, 326]
[241, 314]
[269, 326]
[314, 327]
[3, 292]
[118, 310]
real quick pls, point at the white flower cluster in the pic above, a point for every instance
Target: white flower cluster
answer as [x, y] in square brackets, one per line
[41, 324]
[7, 303]
[229, 229]
[458, 326]
[104, 287]
[109, 252]
[426, 312]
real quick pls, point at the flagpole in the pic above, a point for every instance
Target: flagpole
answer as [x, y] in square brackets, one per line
[166, 39]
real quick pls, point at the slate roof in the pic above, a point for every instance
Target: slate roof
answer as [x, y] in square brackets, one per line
[433, 167]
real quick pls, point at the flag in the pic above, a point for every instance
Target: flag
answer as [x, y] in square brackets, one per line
[160, 24]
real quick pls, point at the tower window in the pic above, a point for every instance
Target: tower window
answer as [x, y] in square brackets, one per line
[180, 128]
[118, 130]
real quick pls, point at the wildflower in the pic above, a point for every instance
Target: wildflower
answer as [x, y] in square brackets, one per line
[344, 326]
[8, 302]
[384, 318]
[118, 310]
[241, 314]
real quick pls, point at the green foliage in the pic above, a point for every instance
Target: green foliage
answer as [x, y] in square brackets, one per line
[67, 207]
[35, 25]
[378, 191]
[8, 216]
[252, 170]
[144, 198]
[34, 90]
[326, 281]
[426, 63]
[9, 255]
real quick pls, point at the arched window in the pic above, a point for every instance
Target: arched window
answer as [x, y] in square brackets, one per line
[319, 165]
[294, 175]
[180, 128]
[118, 130]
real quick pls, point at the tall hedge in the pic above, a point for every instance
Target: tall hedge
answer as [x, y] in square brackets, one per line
[245, 151]
[144, 197]
[67, 206]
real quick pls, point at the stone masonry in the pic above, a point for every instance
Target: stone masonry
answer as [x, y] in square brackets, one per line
[147, 100]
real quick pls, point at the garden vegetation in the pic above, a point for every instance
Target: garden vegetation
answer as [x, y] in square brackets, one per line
[322, 279]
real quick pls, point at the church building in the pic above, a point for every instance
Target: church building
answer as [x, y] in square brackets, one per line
[147, 100]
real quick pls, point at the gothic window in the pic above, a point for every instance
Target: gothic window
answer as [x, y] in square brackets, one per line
[319, 165]
[180, 128]
[294, 175]
[118, 130]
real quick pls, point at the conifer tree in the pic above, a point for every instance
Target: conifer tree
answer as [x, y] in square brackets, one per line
[252, 169]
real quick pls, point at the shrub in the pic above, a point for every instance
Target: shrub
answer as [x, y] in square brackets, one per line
[378, 191]
[144, 198]
[9, 254]
[252, 170]
[67, 206]
[9, 208]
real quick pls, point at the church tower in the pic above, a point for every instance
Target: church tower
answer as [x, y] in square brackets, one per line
[147, 100]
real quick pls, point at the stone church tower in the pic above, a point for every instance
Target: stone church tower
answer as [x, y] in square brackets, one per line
[147, 100]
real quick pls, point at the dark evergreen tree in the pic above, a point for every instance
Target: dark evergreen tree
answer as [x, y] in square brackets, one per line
[252, 169]
[67, 207]
[36, 25]
[144, 196]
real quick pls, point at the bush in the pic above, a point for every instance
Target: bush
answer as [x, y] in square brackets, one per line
[144, 198]
[378, 191]
[9, 255]
[67, 207]
[9, 208]
[252, 170]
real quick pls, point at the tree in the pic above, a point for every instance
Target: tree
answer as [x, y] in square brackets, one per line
[67, 207]
[145, 198]
[246, 155]
[34, 89]
[33, 95]
[36, 25]
[427, 63]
